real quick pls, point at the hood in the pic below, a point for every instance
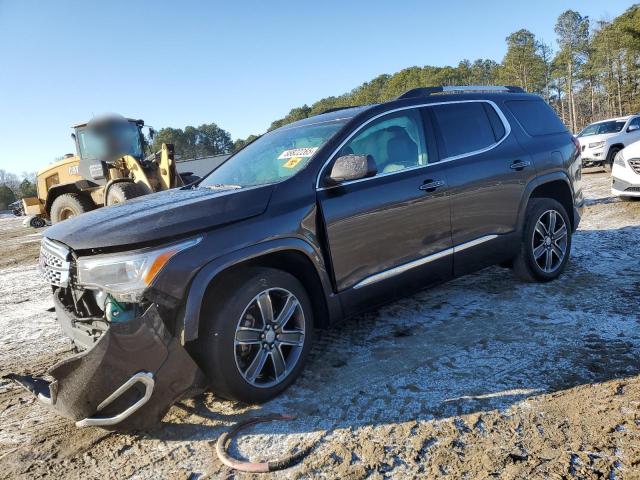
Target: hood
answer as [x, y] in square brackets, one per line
[585, 141]
[160, 216]
[632, 151]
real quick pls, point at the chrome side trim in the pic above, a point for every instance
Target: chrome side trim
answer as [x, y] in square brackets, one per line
[402, 268]
[505, 122]
[473, 243]
[392, 272]
[146, 378]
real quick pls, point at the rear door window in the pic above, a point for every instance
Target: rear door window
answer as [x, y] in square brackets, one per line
[536, 117]
[465, 128]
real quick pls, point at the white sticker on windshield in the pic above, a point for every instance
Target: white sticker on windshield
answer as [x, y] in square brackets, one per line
[298, 152]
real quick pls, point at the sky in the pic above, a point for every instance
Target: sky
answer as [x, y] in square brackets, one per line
[239, 64]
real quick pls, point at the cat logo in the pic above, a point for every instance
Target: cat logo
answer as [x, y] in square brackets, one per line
[73, 170]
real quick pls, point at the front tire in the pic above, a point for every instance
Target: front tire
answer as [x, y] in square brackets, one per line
[546, 242]
[608, 163]
[70, 205]
[122, 191]
[256, 330]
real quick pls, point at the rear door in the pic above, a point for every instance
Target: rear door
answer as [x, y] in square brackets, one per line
[382, 227]
[487, 172]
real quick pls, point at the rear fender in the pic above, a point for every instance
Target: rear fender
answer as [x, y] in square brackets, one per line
[535, 183]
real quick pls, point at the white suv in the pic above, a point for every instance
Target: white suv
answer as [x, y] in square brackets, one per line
[601, 141]
[625, 175]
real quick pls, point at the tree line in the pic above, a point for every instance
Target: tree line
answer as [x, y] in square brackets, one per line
[592, 74]
[14, 187]
[194, 142]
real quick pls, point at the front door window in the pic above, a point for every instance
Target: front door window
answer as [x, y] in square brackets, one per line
[393, 141]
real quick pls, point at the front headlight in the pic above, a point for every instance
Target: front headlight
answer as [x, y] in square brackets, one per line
[619, 160]
[126, 275]
[596, 144]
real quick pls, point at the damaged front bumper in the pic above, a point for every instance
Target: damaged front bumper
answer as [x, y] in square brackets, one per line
[126, 380]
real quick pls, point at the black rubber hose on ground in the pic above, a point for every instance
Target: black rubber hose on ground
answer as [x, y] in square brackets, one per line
[257, 467]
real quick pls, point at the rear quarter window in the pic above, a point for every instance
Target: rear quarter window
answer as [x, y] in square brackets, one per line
[496, 123]
[536, 117]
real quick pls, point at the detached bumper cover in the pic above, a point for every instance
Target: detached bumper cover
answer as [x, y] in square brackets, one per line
[126, 381]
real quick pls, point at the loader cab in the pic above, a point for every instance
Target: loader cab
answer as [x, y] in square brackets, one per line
[101, 142]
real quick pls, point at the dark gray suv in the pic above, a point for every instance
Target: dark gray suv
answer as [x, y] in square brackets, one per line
[220, 284]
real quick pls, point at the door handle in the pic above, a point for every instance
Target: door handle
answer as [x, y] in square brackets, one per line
[432, 185]
[519, 165]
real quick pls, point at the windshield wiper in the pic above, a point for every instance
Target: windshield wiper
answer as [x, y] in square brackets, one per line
[223, 186]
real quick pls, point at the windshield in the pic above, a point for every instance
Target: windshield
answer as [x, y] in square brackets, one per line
[274, 157]
[115, 139]
[612, 126]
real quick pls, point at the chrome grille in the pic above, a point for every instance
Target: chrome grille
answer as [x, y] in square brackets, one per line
[634, 163]
[54, 262]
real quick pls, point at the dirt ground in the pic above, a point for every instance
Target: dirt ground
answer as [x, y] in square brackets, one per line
[483, 377]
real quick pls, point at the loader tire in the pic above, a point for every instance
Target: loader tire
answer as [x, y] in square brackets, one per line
[70, 205]
[123, 191]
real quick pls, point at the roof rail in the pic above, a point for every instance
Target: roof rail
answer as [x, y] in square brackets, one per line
[426, 91]
[336, 109]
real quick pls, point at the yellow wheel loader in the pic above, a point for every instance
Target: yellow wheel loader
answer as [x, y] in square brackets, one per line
[109, 168]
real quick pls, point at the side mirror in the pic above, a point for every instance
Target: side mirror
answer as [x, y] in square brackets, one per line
[351, 167]
[633, 128]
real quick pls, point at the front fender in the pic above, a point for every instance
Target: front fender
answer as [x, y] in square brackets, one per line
[211, 270]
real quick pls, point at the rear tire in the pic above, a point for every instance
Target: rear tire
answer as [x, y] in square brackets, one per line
[70, 205]
[546, 242]
[122, 191]
[235, 339]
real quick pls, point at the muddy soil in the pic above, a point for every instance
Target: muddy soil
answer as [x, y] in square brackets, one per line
[19, 245]
[483, 377]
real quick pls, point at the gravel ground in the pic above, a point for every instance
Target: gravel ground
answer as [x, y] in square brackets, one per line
[481, 377]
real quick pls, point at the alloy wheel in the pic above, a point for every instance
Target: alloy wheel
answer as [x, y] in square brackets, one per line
[269, 337]
[549, 241]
